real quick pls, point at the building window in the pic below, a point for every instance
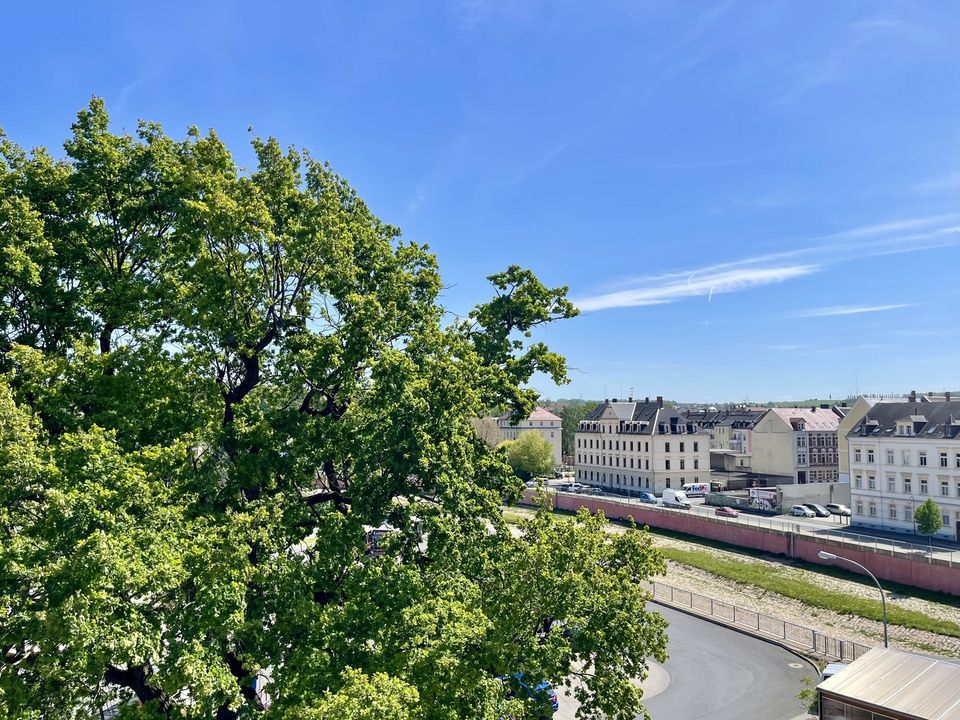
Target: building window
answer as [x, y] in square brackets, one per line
[646, 464]
[958, 488]
[908, 514]
[873, 510]
[905, 457]
[923, 458]
[889, 457]
[944, 488]
[681, 447]
[891, 484]
[646, 447]
[892, 513]
[946, 519]
[858, 481]
[872, 482]
[666, 465]
[859, 507]
[631, 446]
[696, 464]
[696, 448]
[856, 455]
[870, 455]
[943, 459]
[668, 482]
[957, 459]
[923, 486]
[666, 447]
[682, 464]
[907, 485]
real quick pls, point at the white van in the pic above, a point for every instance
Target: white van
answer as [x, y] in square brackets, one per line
[696, 489]
[675, 499]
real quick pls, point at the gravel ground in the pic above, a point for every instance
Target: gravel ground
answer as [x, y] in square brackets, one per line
[844, 627]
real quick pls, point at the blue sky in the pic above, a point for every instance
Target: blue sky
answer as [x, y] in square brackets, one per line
[750, 199]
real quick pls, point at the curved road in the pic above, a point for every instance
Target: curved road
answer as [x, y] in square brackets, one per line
[720, 674]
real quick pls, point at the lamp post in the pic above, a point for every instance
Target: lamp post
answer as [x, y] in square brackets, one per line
[823, 555]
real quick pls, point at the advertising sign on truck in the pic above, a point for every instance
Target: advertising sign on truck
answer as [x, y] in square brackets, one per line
[765, 499]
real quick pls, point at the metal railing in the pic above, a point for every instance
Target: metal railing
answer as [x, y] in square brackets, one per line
[796, 636]
[920, 552]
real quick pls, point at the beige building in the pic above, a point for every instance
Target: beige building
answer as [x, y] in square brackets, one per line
[542, 421]
[632, 446]
[799, 443]
[853, 416]
[900, 455]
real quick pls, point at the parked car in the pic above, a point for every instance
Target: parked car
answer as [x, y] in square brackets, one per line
[801, 511]
[818, 510]
[520, 686]
[647, 497]
[838, 509]
[726, 512]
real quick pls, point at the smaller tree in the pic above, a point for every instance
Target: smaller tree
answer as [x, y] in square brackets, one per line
[529, 455]
[929, 519]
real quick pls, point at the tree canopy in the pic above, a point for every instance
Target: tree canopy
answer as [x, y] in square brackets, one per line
[571, 415]
[928, 517]
[530, 455]
[212, 381]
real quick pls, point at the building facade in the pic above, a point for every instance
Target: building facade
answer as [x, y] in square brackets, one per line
[632, 446]
[900, 455]
[797, 443]
[542, 421]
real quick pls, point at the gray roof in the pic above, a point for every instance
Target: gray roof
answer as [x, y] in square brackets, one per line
[656, 420]
[933, 420]
[738, 417]
[913, 686]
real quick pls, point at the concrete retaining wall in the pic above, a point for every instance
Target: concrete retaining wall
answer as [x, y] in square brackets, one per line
[927, 573]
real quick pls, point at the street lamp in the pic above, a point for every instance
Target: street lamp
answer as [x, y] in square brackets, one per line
[824, 555]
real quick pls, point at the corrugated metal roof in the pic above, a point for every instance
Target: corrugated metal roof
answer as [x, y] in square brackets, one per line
[914, 686]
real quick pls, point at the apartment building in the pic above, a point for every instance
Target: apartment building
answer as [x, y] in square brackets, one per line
[542, 421]
[631, 446]
[797, 443]
[901, 454]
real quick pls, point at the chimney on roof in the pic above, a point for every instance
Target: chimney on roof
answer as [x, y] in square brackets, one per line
[614, 399]
[647, 400]
[630, 399]
[659, 401]
[946, 396]
[913, 396]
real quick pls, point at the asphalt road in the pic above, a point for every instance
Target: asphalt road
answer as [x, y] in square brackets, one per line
[720, 674]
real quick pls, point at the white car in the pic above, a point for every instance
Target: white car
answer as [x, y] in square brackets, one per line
[801, 511]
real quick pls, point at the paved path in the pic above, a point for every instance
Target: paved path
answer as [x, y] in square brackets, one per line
[715, 673]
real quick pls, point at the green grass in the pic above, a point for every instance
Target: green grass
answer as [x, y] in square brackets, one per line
[779, 581]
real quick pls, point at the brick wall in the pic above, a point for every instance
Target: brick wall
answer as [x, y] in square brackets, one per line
[936, 575]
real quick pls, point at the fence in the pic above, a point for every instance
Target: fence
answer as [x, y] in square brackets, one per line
[796, 636]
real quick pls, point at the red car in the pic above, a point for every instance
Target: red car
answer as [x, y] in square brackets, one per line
[727, 512]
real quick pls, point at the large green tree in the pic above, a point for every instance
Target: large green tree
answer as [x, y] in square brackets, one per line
[530, 455]
[211, 381]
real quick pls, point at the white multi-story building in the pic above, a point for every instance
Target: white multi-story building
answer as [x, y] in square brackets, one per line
[798, 443]
[541, 420]
[900, 455]
[631, 446]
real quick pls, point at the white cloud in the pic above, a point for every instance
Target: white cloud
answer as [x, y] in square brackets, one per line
[703, 282]
[809, 257]
[849, 310]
